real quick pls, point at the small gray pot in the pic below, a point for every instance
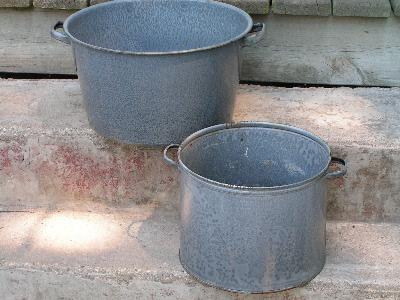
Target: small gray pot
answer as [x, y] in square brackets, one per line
[253, 205]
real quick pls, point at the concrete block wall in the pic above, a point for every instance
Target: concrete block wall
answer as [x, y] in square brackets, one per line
[353, 8]
[61, 4]
[302, 7]
[361, 8]
[15, 3]
[251, 6]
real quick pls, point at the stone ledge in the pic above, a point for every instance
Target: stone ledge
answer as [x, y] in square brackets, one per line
[49, 156]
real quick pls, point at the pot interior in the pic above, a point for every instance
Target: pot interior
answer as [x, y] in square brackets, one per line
[255, 157]
[158, 26]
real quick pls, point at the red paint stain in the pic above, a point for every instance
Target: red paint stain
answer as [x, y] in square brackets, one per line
[139, 162]
[82, 173]
[117, 176]
[134, 167]
[10, 155]
[5, 161]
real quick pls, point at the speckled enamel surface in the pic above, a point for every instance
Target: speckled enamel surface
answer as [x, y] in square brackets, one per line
[253, 240]
[255, 157]
[145, 99]
[156, 100]
[158, 25]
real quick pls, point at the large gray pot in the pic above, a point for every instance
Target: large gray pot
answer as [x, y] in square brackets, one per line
[253, 205]
[152, 72]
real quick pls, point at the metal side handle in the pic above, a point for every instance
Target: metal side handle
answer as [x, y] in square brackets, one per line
[60, 35]
[339, 173]
[169, 160]
[255, 35]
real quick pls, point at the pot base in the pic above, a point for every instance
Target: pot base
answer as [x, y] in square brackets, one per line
[279, 289]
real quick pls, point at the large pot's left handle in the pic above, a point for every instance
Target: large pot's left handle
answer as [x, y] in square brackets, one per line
[60, 35]
[255, 35]
[167, 158]
[339, 173]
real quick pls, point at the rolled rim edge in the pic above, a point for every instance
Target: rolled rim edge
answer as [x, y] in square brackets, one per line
[245, 124]
[211, 2]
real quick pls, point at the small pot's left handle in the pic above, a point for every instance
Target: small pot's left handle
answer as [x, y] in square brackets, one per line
[167, 158]
[255, 35]
[339, 173]
[60, 35]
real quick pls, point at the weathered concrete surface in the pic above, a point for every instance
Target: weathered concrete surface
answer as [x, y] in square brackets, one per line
[15, 3]
[132, 253]
[302, 7]
[48, 153]
[50, 158]
[60, 4]
[361, 8]
[396, 7]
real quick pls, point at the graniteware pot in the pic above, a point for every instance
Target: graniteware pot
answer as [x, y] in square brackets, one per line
[253, 205]
[154, 71]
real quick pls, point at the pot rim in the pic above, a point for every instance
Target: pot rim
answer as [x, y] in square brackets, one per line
[249, 124]
[111, 3]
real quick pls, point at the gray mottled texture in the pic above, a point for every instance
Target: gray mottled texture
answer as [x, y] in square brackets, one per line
[15, 3]
[362, 8]
[133, 254]
[155, 100]
[396, 7]
[268, 225]
[302, 7]
[147, 99]
[60, 4]
[239, 156]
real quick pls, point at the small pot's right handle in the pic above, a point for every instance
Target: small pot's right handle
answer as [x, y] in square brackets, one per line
[339, 173]
[255, 35]
[169, 160]
[59, 35]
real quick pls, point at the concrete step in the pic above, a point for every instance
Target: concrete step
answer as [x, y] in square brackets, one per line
[51, 159]
[132, 253]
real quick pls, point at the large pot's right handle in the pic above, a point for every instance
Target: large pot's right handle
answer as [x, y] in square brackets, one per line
[339, 173]
[60, 35]
[255, 35]
[169, 160]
